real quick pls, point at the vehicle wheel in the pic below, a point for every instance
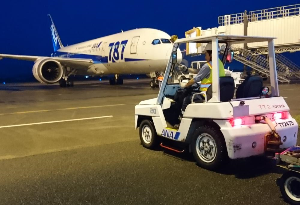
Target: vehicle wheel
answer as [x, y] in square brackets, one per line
[290, 187]
[148, 136]
[209, 148]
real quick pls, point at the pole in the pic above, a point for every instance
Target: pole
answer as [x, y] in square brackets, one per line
[245, 34]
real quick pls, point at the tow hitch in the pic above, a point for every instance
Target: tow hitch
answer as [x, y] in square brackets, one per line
[272, 138]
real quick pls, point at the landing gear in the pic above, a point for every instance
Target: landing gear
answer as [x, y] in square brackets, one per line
[117, 80]
[154, 83]
[66, 83]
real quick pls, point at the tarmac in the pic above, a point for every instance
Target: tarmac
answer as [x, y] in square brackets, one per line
[78, 145]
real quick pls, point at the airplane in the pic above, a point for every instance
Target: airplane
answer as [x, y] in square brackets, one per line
[137, 51]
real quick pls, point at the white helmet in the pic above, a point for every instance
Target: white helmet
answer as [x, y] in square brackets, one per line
[209, 47]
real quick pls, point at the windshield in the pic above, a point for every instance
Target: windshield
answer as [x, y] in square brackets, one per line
[156, 41]
[164, 40]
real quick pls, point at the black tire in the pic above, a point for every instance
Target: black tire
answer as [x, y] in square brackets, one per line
[112, 81]
[71, 83]
[217, 149]
[120, 81]
[148, 127]
[156, 83]
[62, 83]
[152, 84]
[293, 188]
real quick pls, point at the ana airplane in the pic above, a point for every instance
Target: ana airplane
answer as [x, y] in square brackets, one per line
[138, 51]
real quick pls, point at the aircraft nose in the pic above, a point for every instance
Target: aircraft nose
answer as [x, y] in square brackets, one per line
[179, 55]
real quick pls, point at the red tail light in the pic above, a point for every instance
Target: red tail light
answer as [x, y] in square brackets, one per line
[280, 115]
[236, 122]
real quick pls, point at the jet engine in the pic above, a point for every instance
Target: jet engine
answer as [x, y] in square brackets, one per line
[47, 70]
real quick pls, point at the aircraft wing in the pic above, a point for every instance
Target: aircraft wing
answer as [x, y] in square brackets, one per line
[72, 62]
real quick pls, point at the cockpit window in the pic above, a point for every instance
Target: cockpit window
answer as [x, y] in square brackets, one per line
[163, 40]
[156, 41]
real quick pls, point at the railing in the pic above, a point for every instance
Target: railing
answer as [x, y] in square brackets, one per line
[292, 70]
[258, 15]
[260, 64]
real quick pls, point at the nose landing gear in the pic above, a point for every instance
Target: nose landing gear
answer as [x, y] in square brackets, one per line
[117, 80]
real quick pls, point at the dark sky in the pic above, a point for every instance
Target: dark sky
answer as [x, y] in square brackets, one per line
[25, 26]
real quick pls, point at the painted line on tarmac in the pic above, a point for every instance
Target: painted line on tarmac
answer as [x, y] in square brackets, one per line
[62, 109]
[57, 121]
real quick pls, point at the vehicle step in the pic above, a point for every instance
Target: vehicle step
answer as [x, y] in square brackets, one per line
[170, 148]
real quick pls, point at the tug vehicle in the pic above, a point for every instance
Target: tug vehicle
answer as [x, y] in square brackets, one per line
[223, 122]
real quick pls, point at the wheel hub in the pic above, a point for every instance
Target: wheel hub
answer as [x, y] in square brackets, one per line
[146, 134]
[206, 147]
[292, 188]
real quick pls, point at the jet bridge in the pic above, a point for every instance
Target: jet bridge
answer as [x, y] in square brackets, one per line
[281, 22]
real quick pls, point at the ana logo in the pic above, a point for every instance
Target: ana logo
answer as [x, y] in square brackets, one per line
[54, 36]
[96, 45]
[171, 134]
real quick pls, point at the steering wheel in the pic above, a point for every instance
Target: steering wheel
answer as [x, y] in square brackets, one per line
[193, 88]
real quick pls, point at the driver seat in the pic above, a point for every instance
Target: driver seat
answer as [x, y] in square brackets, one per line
[227, 88]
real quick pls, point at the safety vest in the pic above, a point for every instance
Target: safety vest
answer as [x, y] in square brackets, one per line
[206, 82]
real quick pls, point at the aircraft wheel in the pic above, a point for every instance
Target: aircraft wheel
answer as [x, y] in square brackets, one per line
[62, 83]
[209, 148]
[120, 81]
[112, 81]
[148, 136]
[156, 83]
[70, 83]
[152, 84]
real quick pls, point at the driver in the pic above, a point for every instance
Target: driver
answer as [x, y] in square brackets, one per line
[204, 75]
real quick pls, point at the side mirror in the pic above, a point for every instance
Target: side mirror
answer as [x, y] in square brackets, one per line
[229, 57]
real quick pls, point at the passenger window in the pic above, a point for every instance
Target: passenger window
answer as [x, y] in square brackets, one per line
[163, 40]
[156, 41]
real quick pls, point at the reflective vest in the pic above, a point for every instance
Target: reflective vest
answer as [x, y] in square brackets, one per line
[206, 82]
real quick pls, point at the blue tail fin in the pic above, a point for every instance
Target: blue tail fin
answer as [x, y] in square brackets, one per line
[57, 44]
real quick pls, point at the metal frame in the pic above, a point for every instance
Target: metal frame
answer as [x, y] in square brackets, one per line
[215, 40]
[283, 49]
[273, 71]
[258, 15]
[166, 76]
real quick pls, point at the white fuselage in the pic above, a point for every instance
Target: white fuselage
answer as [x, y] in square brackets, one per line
[138, 51]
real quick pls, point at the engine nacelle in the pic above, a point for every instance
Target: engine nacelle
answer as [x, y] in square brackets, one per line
[47, 70]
